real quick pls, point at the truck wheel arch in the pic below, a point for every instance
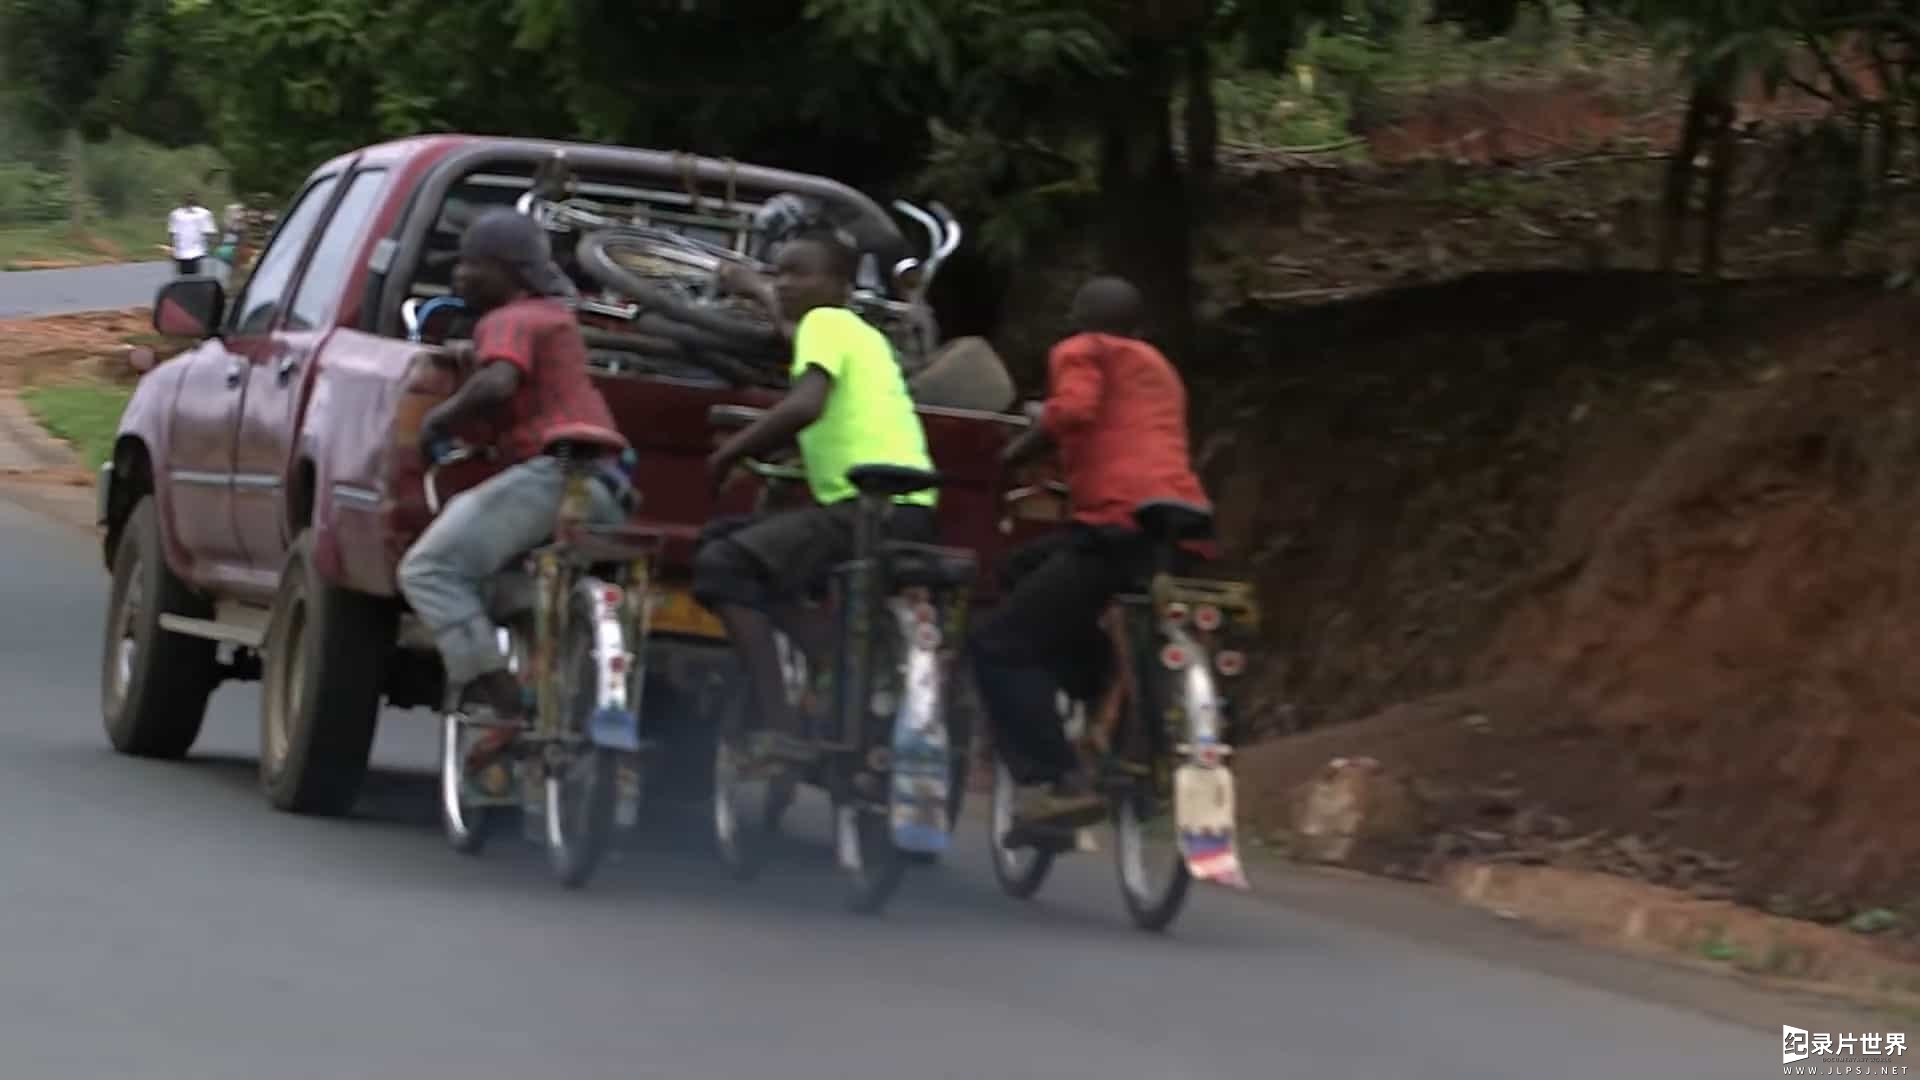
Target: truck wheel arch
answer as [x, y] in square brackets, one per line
[131, 479]
[300, 497]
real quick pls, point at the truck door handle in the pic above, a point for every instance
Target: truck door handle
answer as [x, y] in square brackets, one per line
[235, 369]
[284, 370]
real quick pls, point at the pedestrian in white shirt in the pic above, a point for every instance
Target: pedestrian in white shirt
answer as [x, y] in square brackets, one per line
[188, 227]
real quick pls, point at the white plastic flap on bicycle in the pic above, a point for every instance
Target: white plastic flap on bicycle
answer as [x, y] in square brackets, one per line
[1203, 814]
[615, 729]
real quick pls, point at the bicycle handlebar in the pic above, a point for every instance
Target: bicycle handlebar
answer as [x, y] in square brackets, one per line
[440, 454]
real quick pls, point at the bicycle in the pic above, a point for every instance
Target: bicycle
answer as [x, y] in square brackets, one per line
[882, 750]
[1171, 635]
[572, 619]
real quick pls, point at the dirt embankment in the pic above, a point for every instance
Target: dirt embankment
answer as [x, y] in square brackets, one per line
[1622, 571]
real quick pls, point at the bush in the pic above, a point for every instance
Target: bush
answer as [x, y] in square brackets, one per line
[130, 177]
[30, 196]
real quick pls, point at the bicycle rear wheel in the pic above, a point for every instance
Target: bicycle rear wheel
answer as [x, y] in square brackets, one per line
[1153, 879]
[582, 779]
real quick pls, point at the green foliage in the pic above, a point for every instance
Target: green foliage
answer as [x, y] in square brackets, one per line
[98, 65]
[121, 177]
[126, 176]
[84, 414]
[30, 195]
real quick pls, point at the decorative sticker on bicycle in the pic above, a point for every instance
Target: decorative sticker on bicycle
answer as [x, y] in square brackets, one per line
[1203, 813]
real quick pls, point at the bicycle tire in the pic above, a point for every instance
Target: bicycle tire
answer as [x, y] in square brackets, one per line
[577, 842]
[595, 253]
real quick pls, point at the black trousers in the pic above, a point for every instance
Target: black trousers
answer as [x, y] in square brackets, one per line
[1044, 638]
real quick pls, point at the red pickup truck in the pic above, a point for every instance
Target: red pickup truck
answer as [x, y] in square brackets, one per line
[264, 484]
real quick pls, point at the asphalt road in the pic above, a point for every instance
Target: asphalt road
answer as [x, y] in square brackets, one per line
[83, 288]
[159, 921]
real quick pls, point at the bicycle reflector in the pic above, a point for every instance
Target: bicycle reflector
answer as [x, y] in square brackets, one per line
[1173, 657]
[1207, 617]
[1230, 663]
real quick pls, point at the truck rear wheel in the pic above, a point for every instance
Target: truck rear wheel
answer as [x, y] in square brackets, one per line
[326, 651]
[154, 683]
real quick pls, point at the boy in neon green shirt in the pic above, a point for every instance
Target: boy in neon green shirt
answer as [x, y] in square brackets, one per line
[847, 406]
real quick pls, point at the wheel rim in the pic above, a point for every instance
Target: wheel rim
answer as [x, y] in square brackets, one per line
[572, 783]
[1013, 862]
[847, 840]
[289, 661]
[1134, 840]
[452, 801]
[126, 642]
[742, 807]
[571, 796]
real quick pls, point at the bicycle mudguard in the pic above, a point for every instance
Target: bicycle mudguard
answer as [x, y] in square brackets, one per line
[1203, 815]
[917, 796]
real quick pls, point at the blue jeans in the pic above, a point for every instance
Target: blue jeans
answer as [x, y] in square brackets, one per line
[477, 535]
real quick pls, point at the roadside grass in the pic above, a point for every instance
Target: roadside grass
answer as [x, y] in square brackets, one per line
[85, 414]
[28, 247]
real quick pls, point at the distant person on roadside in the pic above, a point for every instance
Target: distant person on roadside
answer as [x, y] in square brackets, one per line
[1116, 411]
[225, 254]
[188, 227]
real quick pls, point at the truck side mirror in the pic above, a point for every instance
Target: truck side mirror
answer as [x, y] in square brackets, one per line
[189, 307]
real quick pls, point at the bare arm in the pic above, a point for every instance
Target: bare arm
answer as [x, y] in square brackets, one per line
[802, 406]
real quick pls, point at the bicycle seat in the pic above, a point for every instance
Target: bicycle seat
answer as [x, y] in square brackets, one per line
[891, 479]
[1173, 520]
[928, 565]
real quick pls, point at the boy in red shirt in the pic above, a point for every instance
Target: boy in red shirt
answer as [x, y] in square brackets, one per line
[1117, 413]
[530, 390]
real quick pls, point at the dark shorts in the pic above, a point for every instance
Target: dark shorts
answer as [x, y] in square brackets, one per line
[763, 562]
[187, 267]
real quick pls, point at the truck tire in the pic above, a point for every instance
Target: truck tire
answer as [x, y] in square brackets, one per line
[154, 683]
[326, 652]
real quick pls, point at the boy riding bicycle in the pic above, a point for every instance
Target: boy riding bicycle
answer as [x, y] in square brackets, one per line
[847, 406]
[531, 397]
[1116, 411]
